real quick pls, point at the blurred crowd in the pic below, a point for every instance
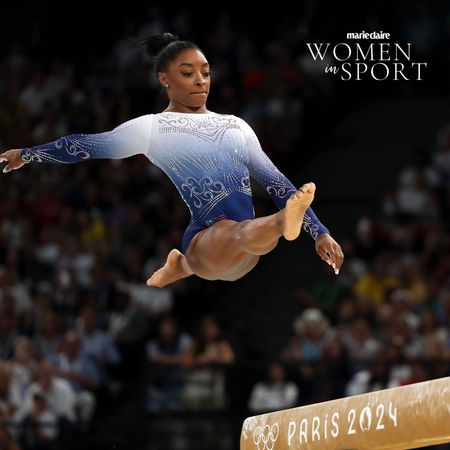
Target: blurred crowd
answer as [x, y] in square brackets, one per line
[78, 242]
[385, 321]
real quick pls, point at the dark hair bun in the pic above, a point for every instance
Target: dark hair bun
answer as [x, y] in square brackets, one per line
[160, 50]
[152, 46]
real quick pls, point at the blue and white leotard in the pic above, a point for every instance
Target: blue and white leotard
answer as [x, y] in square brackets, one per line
[209, 157]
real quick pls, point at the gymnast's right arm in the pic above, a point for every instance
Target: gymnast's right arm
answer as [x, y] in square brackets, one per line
[130, 138]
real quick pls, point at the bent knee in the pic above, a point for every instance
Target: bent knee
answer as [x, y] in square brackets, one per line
[248, 242]
[217, 250]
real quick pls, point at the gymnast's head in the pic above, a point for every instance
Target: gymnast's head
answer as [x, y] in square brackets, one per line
[182, 69]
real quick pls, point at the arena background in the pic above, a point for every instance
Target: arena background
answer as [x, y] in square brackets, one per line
[79, 241]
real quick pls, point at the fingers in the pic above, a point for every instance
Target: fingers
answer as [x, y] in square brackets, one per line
[339, 256]
[332, 262]
[12, 157]
[336, 258]
[324, 255]
[329, 258]
[330, 251]
[9, 167]
[4, 158]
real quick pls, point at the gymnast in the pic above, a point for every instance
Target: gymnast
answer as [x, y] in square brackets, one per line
[210, 158]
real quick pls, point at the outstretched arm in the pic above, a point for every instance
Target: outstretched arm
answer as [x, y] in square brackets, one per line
[130, 138]
[263, 170]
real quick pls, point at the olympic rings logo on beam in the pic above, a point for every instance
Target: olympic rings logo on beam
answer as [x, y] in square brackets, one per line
[265, 437]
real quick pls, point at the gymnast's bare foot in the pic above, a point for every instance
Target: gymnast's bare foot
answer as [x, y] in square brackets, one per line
[174, 269]
[295, 209]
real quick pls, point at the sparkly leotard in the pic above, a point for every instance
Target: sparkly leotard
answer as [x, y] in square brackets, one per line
[209, 157]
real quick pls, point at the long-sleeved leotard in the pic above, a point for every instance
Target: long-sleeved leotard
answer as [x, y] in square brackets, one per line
[209, 157]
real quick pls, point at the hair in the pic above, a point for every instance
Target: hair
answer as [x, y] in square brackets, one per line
[162, 49]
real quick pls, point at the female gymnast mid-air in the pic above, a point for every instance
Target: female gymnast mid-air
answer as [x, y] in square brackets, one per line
[210, 158]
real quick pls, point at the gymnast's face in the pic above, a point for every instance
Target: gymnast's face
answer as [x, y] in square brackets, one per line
[187, 81]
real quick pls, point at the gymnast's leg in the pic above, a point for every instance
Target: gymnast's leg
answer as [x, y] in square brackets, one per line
[228, 250]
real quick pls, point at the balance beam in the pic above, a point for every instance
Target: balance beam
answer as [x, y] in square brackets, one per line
[410, 416]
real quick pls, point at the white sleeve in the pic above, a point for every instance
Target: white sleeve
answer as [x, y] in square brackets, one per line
[128, 139]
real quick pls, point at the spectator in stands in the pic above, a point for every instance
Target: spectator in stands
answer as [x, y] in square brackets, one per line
[377, 283]
[441, 158]
[323, 293]
[304, 350]
[418, 373]
[60, 398]
[58, 392]
[7, 441]
[207, 358]
[274, 393]
[209, 347]
[165, 355]
[97, 344]
[8, 333]
[416, 199]
[39, 426]
[420, 167]
[10, 395]
[361, 345]
[23, 365]
[48, 337]
[335, 361]
[80, 371]
[375, 377]
[311, 332]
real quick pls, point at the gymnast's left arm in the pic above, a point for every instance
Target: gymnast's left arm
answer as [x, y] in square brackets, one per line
[128, 139]
[280, 189]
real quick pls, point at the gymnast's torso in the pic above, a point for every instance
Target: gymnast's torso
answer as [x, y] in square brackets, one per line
[206, 156]
[209, 157]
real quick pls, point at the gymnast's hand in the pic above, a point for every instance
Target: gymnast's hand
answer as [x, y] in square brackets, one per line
[330, 251]
[13, 158]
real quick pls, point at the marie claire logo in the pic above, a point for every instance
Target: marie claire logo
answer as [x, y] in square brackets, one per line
[266, 436]
[378, 61]
[365, 35]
